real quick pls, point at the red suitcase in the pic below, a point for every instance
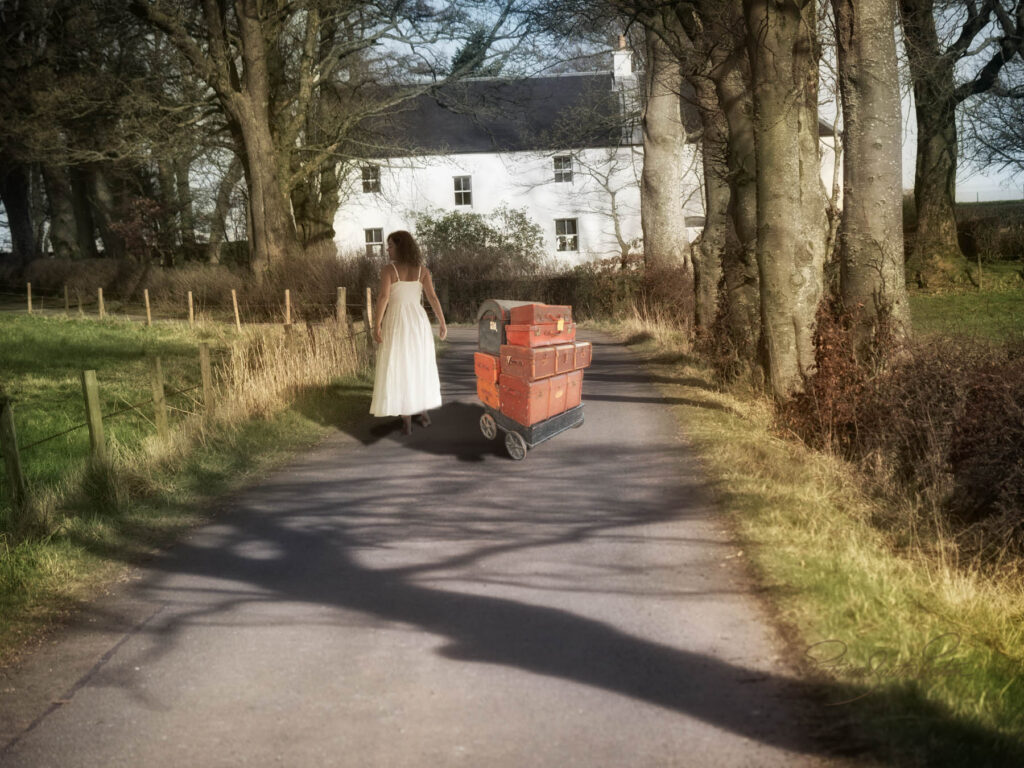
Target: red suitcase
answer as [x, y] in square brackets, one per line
[525, 402]
[486, 367]
[556, 397]
[538, 314]
[543, 335]
[573, 389]
[584, 354]
[487, 391]
[565, 358]
[529, 363]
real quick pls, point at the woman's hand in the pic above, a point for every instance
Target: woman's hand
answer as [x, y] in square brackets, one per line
[376, 336]
[444, 332]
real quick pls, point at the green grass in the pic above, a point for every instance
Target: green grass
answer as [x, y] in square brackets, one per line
[99, 518]
[993, 314]
[924, 656]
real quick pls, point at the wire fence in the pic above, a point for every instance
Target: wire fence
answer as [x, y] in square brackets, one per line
[11, 448]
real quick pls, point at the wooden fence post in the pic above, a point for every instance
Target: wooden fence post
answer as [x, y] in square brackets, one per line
[149, 312]
[207, 375]
[99, 296]
[342, 310]
[191, 310]
[234, 302]
[93, 415]
[287, 307]
[29, 286]
[159, 401]
[78, 295]
[67, 301]
[9, 449]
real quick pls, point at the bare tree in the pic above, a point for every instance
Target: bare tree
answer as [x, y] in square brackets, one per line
[991, 31]
[792, 225]
[872, 282]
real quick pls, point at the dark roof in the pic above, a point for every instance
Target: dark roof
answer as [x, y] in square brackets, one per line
[491, 115]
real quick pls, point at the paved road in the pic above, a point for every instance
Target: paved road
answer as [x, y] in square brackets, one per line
[426, 601]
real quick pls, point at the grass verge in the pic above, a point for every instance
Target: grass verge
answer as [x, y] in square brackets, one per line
[925, 656]
[90, 518]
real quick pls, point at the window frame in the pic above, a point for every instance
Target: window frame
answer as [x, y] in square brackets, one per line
[371, 179]
[565, 241]
[374, 247]
[564, 174]
[465, 191]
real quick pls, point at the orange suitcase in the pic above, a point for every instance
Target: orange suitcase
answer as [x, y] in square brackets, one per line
[537, 314]
[584, 354]
[487, 391]
[486, 367]
[525, 402]
[573, 389]
[545, 334]
[565, 358]
[529, 363]
[556, 397]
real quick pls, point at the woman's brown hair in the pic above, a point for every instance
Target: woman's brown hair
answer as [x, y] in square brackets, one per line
[406, 250]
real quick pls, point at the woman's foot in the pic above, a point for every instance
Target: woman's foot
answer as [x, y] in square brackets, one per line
[406, 425]
[423, 420]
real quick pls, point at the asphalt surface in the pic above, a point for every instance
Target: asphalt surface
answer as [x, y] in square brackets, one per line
[427, 601]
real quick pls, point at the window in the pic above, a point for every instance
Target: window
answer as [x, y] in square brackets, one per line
[565, 235]
[374, 241]
[371, 179]
[563, 168]
[463, 190]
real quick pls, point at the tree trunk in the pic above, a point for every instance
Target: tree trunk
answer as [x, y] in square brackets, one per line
[169, 239]
[14, 192]
[871, 269]
[935, 258]
[718, 232]
[661, 182]
[186, 216]
[85, 226]
[791, 220]
[104, 207]
[63, 227]
[743, 318]
[218, 223]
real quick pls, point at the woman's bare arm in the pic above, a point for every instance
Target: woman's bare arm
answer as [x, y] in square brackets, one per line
[383, 294]
[428, 288]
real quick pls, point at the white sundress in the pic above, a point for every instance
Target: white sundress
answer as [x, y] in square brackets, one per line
[406, 381]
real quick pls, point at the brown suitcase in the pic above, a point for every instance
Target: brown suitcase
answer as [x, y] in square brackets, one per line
[525, 402]
[556, 397]
[543, 335]
[565, 358]
[537, 314]
[584, 354]
[573, 389]
[486, 367]
[529, 363]
[491, 319]
[487, 391]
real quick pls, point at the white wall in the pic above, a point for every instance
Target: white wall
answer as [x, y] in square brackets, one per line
[516, 179]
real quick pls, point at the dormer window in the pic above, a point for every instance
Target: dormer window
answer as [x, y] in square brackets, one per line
[563, 168]
[371, 178]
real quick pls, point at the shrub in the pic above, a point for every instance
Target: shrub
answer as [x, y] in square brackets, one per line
[940, 430]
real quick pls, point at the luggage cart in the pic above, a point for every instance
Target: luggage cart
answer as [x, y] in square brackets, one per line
[519, 438]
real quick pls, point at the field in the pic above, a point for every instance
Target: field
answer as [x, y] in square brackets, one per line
[88, 519]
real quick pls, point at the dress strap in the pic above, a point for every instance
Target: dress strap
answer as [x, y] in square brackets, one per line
[419, 273]
[398, 277]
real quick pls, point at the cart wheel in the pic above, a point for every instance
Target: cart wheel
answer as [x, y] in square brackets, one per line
[488, 426]
[515, 445]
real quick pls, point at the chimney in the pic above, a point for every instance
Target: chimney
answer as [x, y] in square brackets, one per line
[622, 60]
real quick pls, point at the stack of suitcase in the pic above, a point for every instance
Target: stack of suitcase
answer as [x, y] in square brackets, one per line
[537, 372]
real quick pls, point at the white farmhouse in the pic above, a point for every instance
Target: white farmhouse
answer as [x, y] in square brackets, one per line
[566, 148]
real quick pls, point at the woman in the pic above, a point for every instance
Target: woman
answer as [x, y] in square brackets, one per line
[406, 382]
